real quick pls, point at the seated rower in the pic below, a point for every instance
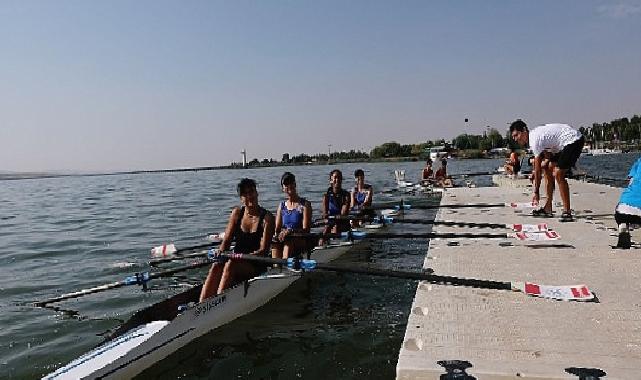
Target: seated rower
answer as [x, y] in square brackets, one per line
[428, 173]
[628, 211]
[251, 227]
[440, 177]
[513, 164]
[336, 202]
[293, 215]
[361, 194]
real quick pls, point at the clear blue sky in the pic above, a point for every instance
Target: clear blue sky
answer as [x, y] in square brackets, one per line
[119, 85]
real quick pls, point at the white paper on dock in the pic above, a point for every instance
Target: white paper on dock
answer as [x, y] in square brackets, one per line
[530, 227]
[537, 236]
[523, 205]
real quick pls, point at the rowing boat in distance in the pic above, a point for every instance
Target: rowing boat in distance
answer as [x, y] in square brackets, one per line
[155, 332]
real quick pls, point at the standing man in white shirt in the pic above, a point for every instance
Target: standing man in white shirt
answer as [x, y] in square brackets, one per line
[560, 143]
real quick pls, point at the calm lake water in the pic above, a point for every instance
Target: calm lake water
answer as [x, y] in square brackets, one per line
[64, 234]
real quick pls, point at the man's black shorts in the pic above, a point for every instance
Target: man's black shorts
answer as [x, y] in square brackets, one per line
[567, 158]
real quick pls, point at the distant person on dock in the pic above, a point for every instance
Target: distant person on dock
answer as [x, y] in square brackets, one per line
[560, 143]
[513, 164]
[336, 202]
[293, 215]
[628, 211]
[428, 173]
[440, 177]
[251, 228]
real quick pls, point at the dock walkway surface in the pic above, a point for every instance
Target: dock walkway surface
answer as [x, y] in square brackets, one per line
[509, 335]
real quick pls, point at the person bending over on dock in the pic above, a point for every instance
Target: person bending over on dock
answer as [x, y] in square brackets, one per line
[428, 173]
[628, 211]
[336, 202]
[563, 145]
[440, 177]
[293, 215]
[251, 228]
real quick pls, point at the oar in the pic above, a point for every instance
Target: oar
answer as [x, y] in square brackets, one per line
[357, 235]
[168, 250]
[566, 293]
[607, 179]
[515, 227]
[155, 262]
[136, 279]
[437, 206]
[474, 174]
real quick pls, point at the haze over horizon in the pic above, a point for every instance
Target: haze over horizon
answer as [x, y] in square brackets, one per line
[143, 85]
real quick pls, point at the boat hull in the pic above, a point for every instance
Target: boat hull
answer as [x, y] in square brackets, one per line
[147, 342]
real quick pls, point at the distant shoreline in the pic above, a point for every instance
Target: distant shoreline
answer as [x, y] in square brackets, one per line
[24, 176]
[21, 176]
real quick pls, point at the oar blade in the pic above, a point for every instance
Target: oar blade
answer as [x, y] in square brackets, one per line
[560, 292]
[163, 251]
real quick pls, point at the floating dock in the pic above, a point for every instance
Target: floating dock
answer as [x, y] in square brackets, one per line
[493, 334]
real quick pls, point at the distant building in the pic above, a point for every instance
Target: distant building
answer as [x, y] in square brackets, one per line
[500, 152]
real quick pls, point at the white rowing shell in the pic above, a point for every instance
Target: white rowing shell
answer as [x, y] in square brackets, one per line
[88, 363]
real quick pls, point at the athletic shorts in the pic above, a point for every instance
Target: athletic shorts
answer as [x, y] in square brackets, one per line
[626, 218]
[567, 158]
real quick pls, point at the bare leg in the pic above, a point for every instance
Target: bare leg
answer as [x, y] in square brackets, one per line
[287, 247]
[564, 188]
[227, 278]
[277, 250]
[211, 283]
[235, 271]
[549, 188]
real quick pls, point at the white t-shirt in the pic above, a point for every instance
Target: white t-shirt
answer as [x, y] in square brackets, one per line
[552, 138]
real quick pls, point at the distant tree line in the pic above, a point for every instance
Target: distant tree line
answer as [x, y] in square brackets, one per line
[623, 129]
[489, 140]
[393, 149]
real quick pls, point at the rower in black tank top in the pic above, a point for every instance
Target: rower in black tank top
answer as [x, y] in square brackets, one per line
[248, 242]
